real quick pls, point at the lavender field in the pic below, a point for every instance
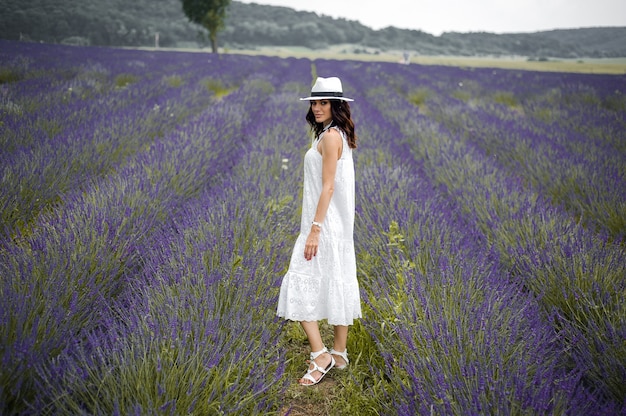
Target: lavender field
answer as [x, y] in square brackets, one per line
[149, 202]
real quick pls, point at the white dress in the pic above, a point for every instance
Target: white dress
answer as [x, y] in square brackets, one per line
[325, 287]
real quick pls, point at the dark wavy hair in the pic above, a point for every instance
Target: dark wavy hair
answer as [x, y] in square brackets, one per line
[342, 118]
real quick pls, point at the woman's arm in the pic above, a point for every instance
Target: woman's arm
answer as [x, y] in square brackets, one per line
[330, 146]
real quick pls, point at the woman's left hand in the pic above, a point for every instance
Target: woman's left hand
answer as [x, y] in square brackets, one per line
[312, 243]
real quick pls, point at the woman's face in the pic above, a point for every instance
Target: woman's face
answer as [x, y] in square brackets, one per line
[322, 111]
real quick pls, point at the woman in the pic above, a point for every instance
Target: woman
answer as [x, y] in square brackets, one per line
[321, 281]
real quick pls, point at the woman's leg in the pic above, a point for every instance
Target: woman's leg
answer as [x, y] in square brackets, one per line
[340, 342]
[312, 331]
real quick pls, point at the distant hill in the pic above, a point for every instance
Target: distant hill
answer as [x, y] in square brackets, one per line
[135, 23]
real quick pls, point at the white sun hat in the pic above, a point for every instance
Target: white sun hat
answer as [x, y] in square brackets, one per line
[327, 89]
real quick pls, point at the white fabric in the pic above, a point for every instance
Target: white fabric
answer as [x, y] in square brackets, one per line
[325, 287]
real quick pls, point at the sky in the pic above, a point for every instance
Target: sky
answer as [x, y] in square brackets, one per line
[495, 16]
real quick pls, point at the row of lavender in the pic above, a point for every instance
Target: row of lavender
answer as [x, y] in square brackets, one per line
[152, 289]
[558, 343]
[199, 334]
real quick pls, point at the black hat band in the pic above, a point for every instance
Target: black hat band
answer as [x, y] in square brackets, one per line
[327, 94]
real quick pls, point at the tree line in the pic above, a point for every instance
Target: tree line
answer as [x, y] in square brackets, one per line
[148, 22]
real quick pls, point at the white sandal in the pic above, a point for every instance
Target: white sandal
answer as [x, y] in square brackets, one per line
[308, 376]
[343, 355]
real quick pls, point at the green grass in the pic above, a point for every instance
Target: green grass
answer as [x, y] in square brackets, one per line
[355, 390]
[419, 96]
[216, 87]
[8, 75]
[123, 80]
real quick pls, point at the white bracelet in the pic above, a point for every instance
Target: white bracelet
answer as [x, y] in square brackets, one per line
[319, 224]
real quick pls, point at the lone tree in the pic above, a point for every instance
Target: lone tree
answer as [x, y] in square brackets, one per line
[208, 13]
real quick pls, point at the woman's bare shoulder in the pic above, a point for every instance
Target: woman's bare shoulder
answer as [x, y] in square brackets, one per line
[331, 137]
[333, 134]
